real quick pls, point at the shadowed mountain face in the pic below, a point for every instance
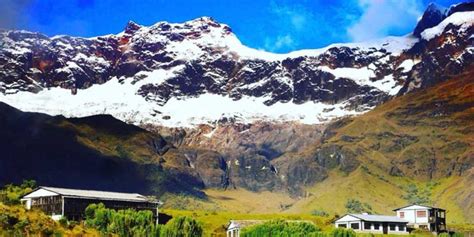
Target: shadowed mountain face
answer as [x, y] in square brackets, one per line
[94, 152]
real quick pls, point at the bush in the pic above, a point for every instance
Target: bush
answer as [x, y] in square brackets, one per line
[414, 195]
[278, 228]
[356, 206]
[63, 222]
[11, 194]
[319, 213]
[182, 227]
[138, 223]
[343, 232]
[457, 234]
[122, 222]
[421, 232]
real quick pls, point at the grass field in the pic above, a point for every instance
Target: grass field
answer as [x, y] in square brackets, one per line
[215, 223]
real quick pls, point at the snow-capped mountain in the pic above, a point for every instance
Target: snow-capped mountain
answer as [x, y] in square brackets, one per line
[198, 72]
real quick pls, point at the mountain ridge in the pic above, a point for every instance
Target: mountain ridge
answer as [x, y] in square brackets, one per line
[201, 60]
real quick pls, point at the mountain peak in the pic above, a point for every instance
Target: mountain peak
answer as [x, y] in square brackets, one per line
[432, 16]
[460, 7]
[434, 7]
[132, 27]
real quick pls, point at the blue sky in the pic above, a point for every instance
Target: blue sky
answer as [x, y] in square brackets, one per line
[272, 25]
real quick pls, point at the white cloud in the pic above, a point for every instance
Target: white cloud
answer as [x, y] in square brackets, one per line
[291, 25]
[280, 42]
[381, 17]
[295, 16]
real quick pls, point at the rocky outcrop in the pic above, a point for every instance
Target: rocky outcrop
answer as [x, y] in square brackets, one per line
[432, 16]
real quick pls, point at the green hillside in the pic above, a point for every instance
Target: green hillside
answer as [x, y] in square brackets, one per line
[414, 148]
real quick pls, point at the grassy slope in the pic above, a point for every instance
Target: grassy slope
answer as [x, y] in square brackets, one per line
[215, 222]
[440, 121]
[436, 121]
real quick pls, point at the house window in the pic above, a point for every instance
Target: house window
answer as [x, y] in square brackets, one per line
[441, 214]
[342, 225]
[392, 227]
[367, 225]
[376, 226]
[355, 226]
[420, 213]
[401, 228]
[402, 214]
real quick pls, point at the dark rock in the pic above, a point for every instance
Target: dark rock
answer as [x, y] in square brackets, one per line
[432, 16]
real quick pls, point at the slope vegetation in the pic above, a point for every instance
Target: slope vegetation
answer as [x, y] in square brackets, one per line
[415, 148]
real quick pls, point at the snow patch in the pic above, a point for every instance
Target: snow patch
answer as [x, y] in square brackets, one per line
[408, 64]
[362, 76]
[463, 19]
[119, 99]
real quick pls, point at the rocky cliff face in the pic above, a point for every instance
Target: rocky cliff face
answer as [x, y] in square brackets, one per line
[166, 65]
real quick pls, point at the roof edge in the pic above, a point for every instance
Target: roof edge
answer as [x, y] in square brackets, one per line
[429, 207]
[36, 189]
[354, 215]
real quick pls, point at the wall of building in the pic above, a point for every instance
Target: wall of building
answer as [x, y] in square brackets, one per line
[51, 205]
[74, 207]
[399, 228]
[415, 221]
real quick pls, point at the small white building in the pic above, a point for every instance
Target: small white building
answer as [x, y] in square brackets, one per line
[233, 230]
[423, 217]
[377, 224]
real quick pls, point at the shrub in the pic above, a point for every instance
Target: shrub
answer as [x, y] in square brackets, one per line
[343, 232]
[421, 232]
[278, 228]
[414, 195]
[138, 223]
[457, 234]
[182, 227]
[319, 213]
[11, 194]
[63, 222]
[122, 222]
[356, 206]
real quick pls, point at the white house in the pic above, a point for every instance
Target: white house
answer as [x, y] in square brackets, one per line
[377, 224]
[423, 217]
[233, 230]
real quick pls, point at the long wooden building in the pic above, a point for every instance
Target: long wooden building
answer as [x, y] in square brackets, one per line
[71, 203]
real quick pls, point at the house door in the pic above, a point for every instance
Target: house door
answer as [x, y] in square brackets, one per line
[385, 228]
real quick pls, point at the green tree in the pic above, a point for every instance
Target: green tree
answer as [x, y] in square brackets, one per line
[11, 194]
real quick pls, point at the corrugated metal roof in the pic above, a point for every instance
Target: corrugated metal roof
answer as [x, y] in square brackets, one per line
[94, 194]
[379, 218]
[412, 205]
